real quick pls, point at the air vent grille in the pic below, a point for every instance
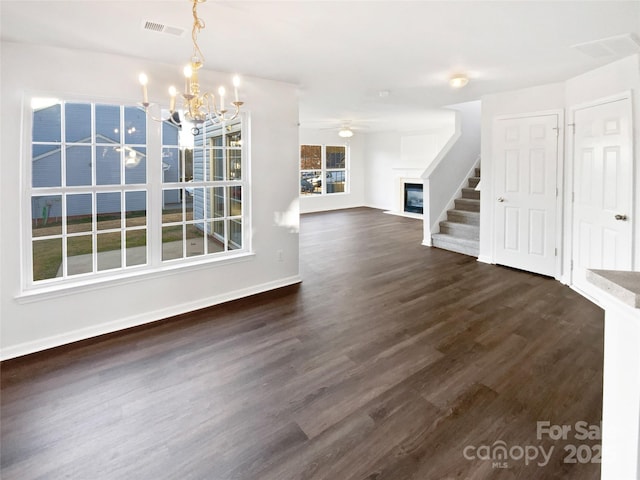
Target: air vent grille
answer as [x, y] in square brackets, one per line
[618, 46]
[162, 28]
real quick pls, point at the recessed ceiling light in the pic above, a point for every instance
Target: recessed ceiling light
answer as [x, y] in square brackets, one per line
[383, 93]
[459, 80]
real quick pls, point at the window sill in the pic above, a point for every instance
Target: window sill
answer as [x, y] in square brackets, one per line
[46, 292]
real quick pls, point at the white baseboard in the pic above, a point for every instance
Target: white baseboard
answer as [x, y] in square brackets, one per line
[33, 346]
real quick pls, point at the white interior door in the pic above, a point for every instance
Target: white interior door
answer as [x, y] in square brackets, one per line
[602, 186]
[525, 189]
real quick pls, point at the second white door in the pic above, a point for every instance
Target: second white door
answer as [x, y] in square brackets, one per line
[526, 193]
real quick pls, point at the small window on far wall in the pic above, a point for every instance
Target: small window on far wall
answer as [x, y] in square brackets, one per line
[323, 169]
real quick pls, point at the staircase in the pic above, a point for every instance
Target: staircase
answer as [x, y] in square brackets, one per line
[461, 231]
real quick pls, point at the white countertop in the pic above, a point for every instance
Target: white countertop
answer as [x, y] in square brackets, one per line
[623, 285]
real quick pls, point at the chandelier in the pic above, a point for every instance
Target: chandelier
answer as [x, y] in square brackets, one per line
[198, 107]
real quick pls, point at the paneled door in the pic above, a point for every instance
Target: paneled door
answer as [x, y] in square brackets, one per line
[602, 189]
[525, 189]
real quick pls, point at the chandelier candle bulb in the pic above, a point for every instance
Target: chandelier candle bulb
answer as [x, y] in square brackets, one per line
[143, 81]
[236, 84]
[221, 92]
[172, 101]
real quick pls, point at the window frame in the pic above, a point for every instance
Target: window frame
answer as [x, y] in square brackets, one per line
[324, 170]
[154, 266]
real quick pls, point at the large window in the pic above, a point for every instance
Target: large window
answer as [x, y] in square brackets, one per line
[323, 169]
[99, 204]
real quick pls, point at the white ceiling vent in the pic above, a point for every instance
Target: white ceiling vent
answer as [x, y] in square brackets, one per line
[162, 28]
[618, 46]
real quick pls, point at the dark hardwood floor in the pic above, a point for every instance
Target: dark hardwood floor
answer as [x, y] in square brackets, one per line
[390, 361]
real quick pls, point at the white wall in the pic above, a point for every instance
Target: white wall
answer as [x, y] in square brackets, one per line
[355, 197]
[382, 151]
[390, 156]
[528, 100]
[30, 324]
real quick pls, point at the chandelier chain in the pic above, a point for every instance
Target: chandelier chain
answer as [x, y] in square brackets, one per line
[198, 25]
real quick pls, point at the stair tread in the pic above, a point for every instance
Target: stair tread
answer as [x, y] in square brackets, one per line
[469, 200]
[469, 213]
[469, 226]
[453, 239]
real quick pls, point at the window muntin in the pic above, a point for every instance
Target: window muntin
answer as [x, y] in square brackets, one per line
[323, 169]
[90, 195]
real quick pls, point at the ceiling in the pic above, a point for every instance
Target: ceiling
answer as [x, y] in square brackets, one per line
[342, 54]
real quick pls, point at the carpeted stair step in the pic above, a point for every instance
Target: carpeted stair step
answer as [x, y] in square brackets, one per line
[471, 193]
[469, 204]
[463, 216]
[461, 230]
[455, 244]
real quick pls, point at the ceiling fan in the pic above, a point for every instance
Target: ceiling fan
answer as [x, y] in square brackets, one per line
[346, 129]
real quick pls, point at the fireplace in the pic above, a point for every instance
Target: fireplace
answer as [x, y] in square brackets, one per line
[413, 197]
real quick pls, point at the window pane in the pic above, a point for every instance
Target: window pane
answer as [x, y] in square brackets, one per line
[136, 247]
[311, 182]
[235, 234]
[234, 164]
[172, 206]
[135, 165]
[198, 164]
[336, 181]
[215, 202]
[78, 165]
[235, 201]
[79, 213]
[77, 120]
[135, 125]
[46, 166]
[195, 239]
[46, 212]
[170, 165]
[47, 256]
[187, 154]
[196, 206]
[109, 246]
[136, 208]
[336, 157]
[107, 124]
[170, 133]
[79, 255]
[172, 242]
[109, 207]
[108, 165]
[47, 124]
[306, 187]
[216, 236]
[310, 157]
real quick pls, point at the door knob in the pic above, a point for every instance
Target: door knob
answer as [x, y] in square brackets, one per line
[620, 217]
[500, 199]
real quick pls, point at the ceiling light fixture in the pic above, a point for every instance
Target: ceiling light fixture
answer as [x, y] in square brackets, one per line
[345, 132]
[198, 107]
[459, 80]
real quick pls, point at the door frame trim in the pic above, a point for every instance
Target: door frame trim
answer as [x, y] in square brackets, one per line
[567, 273]
[560, 149]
